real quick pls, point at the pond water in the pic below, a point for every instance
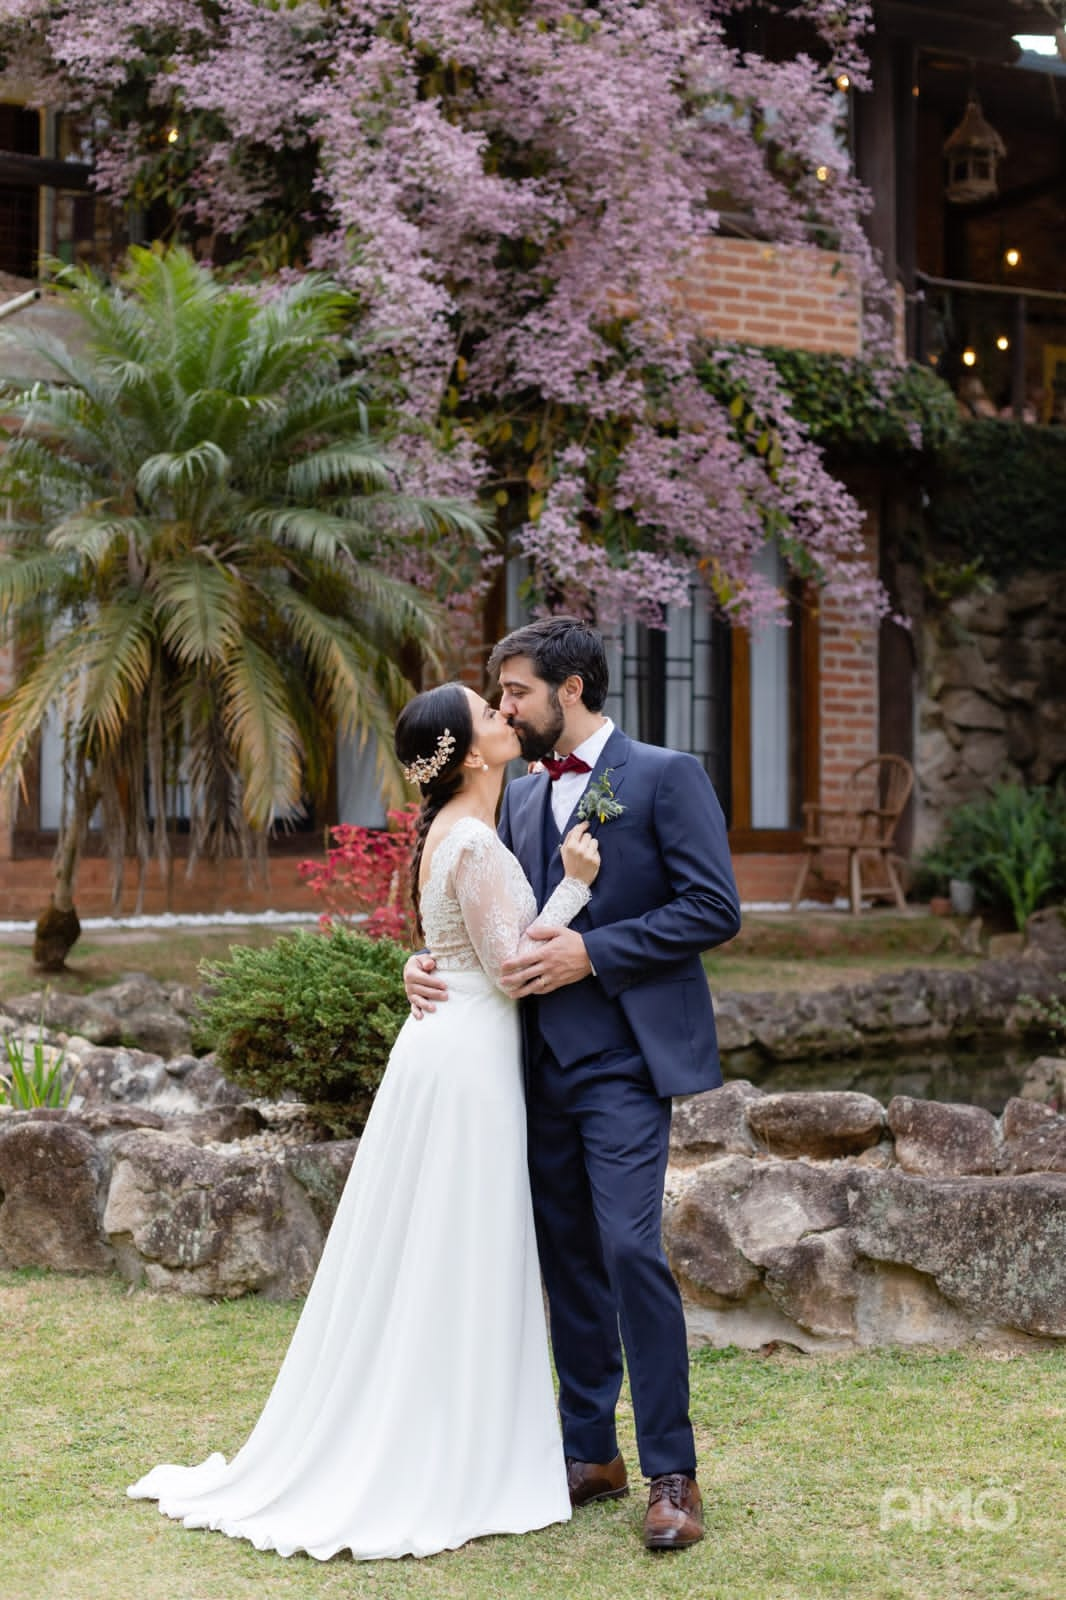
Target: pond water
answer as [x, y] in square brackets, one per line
[983, 1077]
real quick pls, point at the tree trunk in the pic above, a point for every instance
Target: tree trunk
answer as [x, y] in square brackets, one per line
[58, 928]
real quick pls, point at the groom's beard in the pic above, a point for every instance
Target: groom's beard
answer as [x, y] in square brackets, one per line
[539, 740]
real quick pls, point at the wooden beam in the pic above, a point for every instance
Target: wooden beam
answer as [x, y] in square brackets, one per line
[39, 172]
[954, 32]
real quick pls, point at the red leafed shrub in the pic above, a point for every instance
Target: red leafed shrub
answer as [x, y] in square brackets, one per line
[367, 875]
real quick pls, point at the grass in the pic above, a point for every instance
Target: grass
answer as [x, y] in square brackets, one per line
[171, 955]
[796, 1454]
[800, 954]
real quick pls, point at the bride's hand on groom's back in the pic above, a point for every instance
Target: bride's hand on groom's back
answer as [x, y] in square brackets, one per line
[424, 991]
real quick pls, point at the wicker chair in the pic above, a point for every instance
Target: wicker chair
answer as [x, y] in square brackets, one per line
[863, 824]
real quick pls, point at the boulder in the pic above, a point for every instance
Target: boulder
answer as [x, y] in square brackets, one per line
[714, 1123]
[732, 1214]
[702, 1251]
[821, 1123]
[322, 1170]
[51, 1178]
[980, 612]
[968, 709]
[179, 1217]
[1042, 1148]
[815, 1282]
[996, 1247]
[792, 1027]
[731, 1024]
[87, 1015]
[1021, 1117]
[1045, 937]
[127, 1075]
[210, 1087]
[942, 1140]
[221, 1124]
[1045, 1081]
[157, 1028]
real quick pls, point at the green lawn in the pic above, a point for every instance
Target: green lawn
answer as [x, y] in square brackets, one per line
[799, 953]
[796, 1455]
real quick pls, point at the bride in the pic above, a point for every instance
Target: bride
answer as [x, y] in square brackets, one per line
[414, 1409]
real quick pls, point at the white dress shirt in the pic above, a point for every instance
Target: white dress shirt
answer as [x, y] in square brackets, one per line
[567, 790]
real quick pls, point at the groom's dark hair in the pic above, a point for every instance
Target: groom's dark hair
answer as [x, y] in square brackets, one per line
[559, 648]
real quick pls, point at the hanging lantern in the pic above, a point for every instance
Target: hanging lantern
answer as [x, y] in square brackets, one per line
[972, 152]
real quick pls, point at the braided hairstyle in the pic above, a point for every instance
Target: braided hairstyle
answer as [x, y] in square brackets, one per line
[418, 730]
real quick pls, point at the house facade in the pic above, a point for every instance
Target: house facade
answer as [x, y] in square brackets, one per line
[778, 717]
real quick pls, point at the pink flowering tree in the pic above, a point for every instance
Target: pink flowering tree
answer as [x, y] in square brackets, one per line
[514, 189]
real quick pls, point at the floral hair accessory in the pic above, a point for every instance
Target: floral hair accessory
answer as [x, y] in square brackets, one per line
[426, 768]
[598, 802]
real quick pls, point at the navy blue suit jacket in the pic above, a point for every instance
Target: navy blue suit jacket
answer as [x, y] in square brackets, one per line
[665, 893]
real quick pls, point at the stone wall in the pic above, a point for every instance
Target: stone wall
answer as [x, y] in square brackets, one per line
[992, 703]
[829, 1221]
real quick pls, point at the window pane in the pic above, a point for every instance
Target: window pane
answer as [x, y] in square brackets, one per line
[771, 742]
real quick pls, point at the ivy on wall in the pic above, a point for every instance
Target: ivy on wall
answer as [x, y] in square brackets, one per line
[997, 498]
[859, 411]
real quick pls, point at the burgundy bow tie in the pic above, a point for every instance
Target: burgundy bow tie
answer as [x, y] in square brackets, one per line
[557, 765]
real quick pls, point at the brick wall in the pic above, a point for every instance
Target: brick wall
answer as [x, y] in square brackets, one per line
[25, 886]
[758, 293]
[849, 690]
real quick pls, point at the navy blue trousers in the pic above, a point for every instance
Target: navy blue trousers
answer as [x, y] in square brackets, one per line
[598, 1144]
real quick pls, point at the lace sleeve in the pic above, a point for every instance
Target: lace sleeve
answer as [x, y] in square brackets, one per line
[484, 879]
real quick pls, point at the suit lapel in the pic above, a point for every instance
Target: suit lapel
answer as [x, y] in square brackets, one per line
[529, 838]
[613, 757]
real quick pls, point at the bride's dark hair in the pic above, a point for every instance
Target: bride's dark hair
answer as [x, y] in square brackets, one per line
[423, 729]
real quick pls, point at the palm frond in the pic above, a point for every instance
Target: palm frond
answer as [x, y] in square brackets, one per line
[358, 462]
[318, 533]
[199, 607]
[92, 535]
[51, 682]
[179, 472]
[261, 730]
[25, 576]
[428, 515]
[118, 663]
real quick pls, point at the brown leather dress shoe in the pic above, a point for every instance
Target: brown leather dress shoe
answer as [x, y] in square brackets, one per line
[594, 1480]
[674, 1518]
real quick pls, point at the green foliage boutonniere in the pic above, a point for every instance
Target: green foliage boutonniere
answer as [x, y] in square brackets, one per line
[598, 802]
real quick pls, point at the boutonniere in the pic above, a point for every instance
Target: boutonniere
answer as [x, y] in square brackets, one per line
[598, 802]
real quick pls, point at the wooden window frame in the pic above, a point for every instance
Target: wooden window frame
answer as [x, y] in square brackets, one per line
[742, 836]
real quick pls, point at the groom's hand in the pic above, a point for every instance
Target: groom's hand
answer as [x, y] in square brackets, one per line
[560, 958]
[424, 991]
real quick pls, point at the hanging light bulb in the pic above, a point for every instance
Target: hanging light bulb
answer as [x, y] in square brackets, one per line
[822, 174]
[843, 82]
[1012, 257]
[1003, 343]
[172, 136]
[969, 358]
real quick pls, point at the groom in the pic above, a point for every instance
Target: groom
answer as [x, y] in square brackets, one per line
[617, 1018]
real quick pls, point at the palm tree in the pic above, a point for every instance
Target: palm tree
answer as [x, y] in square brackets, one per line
[199, 573]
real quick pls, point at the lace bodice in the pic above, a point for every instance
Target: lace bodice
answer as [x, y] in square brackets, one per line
[477, 902]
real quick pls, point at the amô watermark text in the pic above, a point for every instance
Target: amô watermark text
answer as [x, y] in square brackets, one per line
[988, 1510]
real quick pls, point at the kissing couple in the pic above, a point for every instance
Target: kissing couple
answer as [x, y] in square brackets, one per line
[521, 1129]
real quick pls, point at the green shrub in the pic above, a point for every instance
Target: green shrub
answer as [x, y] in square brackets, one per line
[1011, 845]
[996, 497]
[312, 1017]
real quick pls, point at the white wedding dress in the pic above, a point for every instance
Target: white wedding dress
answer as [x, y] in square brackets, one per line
[414, 1409]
